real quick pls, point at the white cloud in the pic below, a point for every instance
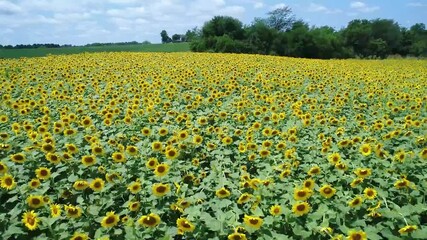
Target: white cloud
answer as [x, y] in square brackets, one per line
[313, 7]
[362, 7]
[258, 5]
[279, 5]
[416, 4]
[8, 8]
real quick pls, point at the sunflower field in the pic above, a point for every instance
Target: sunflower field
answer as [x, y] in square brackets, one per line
[212, 146]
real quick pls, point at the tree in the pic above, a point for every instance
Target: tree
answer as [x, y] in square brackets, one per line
[221, 25]
[260, 37]
[176, 37]
[357, 35]
[280, 19]
[165, 37]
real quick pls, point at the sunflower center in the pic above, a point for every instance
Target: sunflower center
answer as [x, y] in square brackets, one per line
[97, 185]
[31, 221]
[357, 236]
[161, 169]
[301, 193]
[161, 189]
[327, 190]
[149, 221]
[301, 207]
[185, 224]
[254, 221]
[35, 201]
[8, 181]
[110, 220]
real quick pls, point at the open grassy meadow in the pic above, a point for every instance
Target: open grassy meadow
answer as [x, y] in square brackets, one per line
[211, 146]
[41, 52]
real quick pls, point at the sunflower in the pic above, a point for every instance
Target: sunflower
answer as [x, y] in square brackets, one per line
[88, 160]
[402, 183]
[245, 197]
[197, 140]
[161, 170]
[222, 193]
[160, 189]
[407, 229]
[355, 202]
[301, 208]
[113, 177]
[97, 150]
[276, 210]
[80, 185]
[134, 206]
[370, 193]
[334, 158]
[3, 168]
[48, 147]
[365, 149]
[171, 153]
[356, 182]
[53, 158]
[253, 221]
[79, 236]
[30, 220]
[152, 163]
[163, 131]
[7, 182]
[71, 148]
[34, 183]
[309, 183]
[35, 201]
[157, 146]
[18, 158]
[264, 153]
[97, 184]
[227, 140]
[150, 220]
[237, 236]
[327, 191]
[110, 220]
[118, 157]
[363, 172]
[132, 150]
[184, 225]
[134, 187]
[315, 170]
[423, 153]
[302, 194]
[357, 235]
[55, 210]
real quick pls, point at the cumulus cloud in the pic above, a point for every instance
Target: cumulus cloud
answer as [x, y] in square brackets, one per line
[313, 7]
[9, 8]
[363, 7]
[258, 5]
[416, 4]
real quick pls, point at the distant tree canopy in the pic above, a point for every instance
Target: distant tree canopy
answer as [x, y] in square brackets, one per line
[281, 34]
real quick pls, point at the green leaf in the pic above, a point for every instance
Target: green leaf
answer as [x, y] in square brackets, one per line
[420, 233]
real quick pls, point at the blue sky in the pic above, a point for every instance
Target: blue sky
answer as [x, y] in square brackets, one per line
[79, 22]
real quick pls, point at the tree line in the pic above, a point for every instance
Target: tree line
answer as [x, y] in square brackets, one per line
[282, 34]
[53, 45]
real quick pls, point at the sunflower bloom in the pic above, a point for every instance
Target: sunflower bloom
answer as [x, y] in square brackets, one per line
[97, 184]
[30, 220]
[35, 201]
[222, 193]
[160, 189]
[252, 221]
[327, 191]
[357, 235]
[7, 182]
[407, 229]
[161, 170]
[355, 202]
[110, 220]
[79, 236]
[301, 208]
[370, 193]
[184, 225]
[237, 236]
[276, 210]
[150, 220]
[55, 210]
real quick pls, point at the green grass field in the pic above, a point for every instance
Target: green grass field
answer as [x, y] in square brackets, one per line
[40, 52]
